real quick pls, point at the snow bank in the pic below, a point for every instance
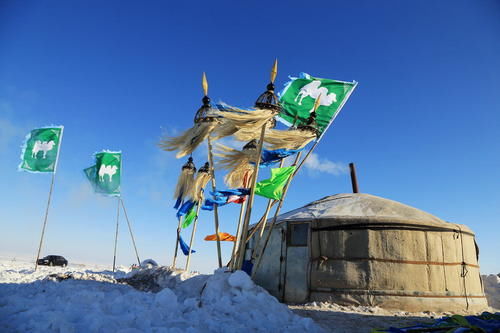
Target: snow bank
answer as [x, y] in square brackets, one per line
[492, 289]
[82, 302]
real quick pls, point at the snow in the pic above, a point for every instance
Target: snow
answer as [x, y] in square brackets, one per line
[83, 298]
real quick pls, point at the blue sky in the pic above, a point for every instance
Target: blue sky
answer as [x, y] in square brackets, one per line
[422, 126]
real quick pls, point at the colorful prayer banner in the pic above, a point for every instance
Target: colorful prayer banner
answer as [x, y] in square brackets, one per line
[272, 188]
[299, 95]
[105, 175]
[184, 247]
[223, 236]
[41, 149]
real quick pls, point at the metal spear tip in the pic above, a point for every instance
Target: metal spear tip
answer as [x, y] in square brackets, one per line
[274, 70]
[204, 84]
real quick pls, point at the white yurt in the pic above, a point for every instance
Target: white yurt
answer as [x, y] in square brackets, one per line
[360, 249]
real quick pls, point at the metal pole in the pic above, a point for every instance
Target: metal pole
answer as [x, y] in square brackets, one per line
[354, 179]
[177, 242]
[116, 234]
[275, 217]
[246, 222]
[131, 234]
[192, 237]
[45, 219]
[216, 212]
[49, 199]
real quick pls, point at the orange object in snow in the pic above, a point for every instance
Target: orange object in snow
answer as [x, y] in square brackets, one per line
[224, 236]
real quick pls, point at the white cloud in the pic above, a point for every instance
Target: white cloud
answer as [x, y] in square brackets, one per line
[315, 164]
[8, 130]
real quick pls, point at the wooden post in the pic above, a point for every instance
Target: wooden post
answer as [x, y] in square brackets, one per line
[275, 217]
[246, 222]
[177, 242]
[192, 236]
[238, 236]
[116, 234]
[268, 208]
[216, 212]
[354, 179]
[131, 234]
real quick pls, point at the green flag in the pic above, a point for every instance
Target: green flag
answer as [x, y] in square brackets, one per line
[105, 175]
[41, 149]
[272, 188]
[190, 217]
[299, 95]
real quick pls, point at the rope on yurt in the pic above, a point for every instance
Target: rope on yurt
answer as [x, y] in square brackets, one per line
[444, 267]
[464, 268]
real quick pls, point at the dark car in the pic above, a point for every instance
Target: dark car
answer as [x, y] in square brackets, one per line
[53, 261]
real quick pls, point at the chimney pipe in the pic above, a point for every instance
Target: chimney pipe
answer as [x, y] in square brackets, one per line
[354, 180]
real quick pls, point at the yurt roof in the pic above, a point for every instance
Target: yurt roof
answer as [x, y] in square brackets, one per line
[348, 207]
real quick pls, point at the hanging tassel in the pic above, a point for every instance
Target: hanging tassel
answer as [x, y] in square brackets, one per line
[188, 141]
[238, 163]
[290, 139]
[249, 121]
[184, 182]
[202, 178]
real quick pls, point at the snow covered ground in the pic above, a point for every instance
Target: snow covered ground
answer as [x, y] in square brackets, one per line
[90, 298]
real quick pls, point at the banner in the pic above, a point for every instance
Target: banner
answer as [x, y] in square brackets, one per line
[105, 175]
[272, 188]
[41, 149]
[299, 95]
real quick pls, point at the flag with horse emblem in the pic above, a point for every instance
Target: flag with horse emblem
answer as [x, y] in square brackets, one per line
[106, 173]
[41, 149]
[299, 95]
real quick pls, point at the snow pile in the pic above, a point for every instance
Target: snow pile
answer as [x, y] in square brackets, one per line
[492, 289]
[82, 302]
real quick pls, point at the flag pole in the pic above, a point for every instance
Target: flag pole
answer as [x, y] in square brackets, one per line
[116, 233]
[131, 234]
[49, 200]
[248, 214]
[192, 236]
[261, 254]
[216, 212]
[238, 236]
[268, 208]
[45, 220]
[276, 213]
[204, 85]
[177, 242]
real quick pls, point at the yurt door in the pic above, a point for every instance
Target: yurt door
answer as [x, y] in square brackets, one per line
[297, 258]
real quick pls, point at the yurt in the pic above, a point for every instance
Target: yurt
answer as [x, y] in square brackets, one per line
[360, 249]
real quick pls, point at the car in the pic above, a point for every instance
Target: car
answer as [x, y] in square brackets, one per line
[53, 260]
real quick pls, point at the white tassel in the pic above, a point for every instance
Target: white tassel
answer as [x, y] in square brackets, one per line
[188, 141]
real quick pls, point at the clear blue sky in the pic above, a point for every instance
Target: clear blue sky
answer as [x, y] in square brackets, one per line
[422, 127]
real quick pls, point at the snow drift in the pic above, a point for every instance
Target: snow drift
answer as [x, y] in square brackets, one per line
[97, 302]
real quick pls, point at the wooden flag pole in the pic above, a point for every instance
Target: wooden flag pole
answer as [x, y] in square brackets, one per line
[131, 234]
[49, 200]
[276, 213]
[238, 236]
[204, 85]
[177, 242]
[192, 236]
[248, 215]
[216, 212]
[116, 233]
[268, 208]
